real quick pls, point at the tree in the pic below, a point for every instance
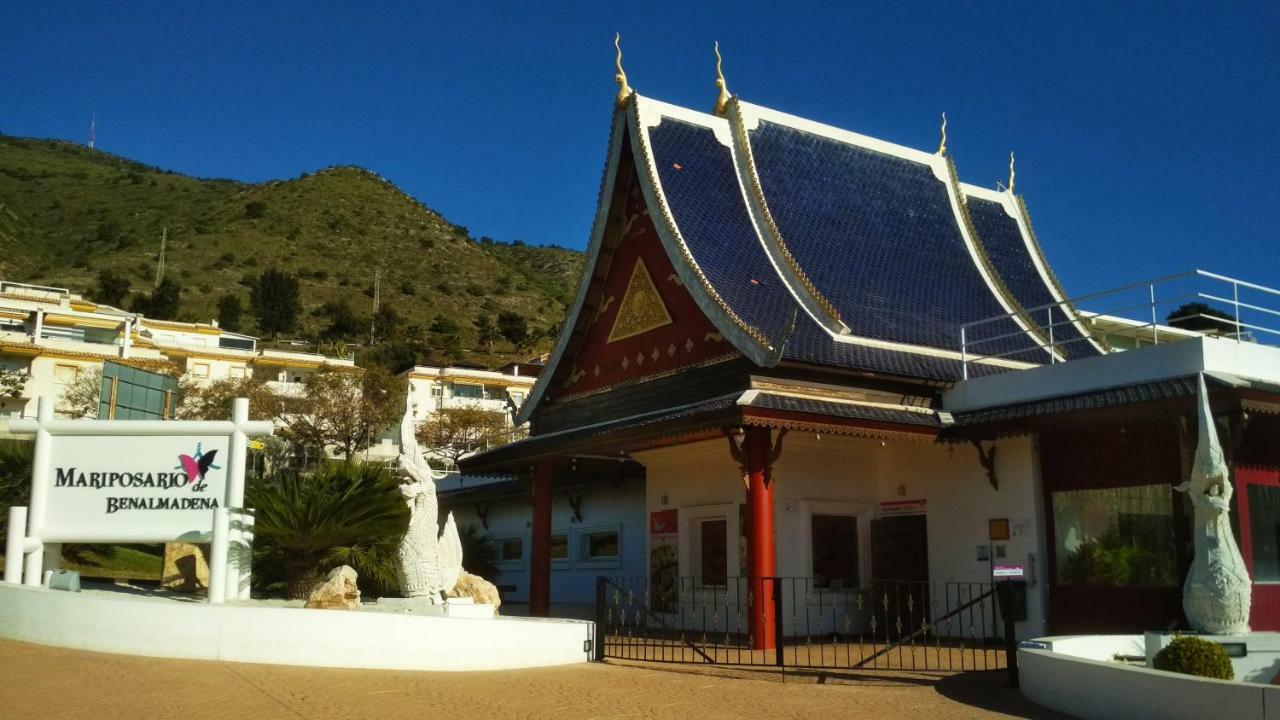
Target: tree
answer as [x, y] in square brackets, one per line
[79, 400]
[12, 382]
[163, 302]
[229, 312]
[487, 333]
[345, 514]
[112, 288]
[213, 400]
[275, 300]
[513, 327]
[1204, 318]
[386, 323]
[15, 476]
[342, 410]
[454, 433]
[343, 322]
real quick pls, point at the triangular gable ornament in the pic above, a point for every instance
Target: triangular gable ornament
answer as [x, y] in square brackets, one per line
[641, 309]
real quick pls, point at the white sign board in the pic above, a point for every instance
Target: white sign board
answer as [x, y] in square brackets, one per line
[1007, 571]
[134, 488]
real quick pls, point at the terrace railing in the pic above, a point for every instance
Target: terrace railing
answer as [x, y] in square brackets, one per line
[1136, 314]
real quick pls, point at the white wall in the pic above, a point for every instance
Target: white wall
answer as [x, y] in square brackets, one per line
[844, 475]
[115, 623]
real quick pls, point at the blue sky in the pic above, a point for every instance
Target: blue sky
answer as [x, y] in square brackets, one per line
[1147, 133]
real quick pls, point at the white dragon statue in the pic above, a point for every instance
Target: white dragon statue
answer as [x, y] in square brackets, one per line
[430, 562]
[1217, 594]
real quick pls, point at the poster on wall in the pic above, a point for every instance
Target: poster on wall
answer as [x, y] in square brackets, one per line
[133, 488]
[664, 559]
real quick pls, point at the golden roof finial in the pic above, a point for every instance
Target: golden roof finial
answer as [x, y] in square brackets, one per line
[942, 146]
[624, 90]
[722, 100]
[1010, 171]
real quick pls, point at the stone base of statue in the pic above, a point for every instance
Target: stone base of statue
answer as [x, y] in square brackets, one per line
[408, 606]
[1255, 656]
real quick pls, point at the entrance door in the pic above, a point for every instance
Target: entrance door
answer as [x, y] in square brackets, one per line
[900, 548]
[900, 567]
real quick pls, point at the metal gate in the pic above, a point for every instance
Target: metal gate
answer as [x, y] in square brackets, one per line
[880, 625]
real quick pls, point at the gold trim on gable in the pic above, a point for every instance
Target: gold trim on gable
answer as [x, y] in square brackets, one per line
[641, 309]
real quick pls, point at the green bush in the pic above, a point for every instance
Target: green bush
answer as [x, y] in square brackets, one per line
[1195, 656]
[344, 514]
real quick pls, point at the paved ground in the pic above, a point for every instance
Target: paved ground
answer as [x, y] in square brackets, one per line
[56, 684]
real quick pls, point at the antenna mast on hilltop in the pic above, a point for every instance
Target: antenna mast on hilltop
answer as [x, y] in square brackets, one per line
[164, 236]
[93, 121]
[377, 289]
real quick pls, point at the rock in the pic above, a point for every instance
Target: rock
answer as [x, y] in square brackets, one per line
[185, 567]
[338, 591]
[476, 588]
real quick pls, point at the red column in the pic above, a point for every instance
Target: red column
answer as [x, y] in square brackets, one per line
[540, 546]
[760, 538]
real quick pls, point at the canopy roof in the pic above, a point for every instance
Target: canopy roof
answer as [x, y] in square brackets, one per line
[803, 244]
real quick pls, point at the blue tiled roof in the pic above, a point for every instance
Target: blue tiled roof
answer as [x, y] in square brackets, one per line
[1012, 260]
[878, 237]
[701, 188]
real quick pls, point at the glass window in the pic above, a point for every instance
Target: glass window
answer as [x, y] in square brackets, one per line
[472, 392]
[600, 545]
[237, 372]
[511, 549]
[200, 370]
[1264, 531]
[713, 551]
[437, 390]
[834, 541]
[1115, 537]
[560, 547]
[517, 398]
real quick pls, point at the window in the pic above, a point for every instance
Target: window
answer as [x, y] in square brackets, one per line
[200, 370]
[1115, 537]
[236, 373]
[510, 551]
[559, 547]
[517, 398]
[65, 374]
[834, 539]
[1264, 531]
[437, 391]
[713, 551]
[472, 392]
[598, 547]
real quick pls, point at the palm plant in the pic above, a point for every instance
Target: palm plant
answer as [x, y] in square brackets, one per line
[346, 513]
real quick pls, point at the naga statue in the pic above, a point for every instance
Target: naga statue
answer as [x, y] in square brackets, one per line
[1217, 594]
[429, 562]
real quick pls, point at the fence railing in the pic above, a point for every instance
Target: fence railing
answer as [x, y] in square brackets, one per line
[1201, 302]
[812, 623]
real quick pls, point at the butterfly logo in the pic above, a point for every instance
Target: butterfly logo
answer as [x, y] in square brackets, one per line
[198, 465]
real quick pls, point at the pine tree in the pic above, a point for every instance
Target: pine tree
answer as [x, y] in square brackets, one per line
[275, 301]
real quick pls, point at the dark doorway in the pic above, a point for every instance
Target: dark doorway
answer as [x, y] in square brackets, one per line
[713, 551]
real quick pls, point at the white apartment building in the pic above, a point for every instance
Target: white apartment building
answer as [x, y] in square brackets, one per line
[50, 336]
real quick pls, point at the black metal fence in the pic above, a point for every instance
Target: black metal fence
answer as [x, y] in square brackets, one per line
[878, 625]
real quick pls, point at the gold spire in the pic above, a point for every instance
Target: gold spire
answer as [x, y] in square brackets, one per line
[1010, 171]
[722, 100]
[942, 146]
[624, 90]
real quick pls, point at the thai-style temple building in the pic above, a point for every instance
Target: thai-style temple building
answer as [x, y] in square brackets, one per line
[771, 349]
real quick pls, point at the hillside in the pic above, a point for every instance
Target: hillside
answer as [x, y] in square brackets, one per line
[67, 212]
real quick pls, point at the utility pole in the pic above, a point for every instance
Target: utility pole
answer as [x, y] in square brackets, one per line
[164, 236]
[93, 121]
[373, 319]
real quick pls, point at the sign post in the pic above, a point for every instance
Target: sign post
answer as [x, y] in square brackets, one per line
[133, 481]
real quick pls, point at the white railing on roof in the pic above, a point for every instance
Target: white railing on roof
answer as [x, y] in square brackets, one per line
[1133, 314]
